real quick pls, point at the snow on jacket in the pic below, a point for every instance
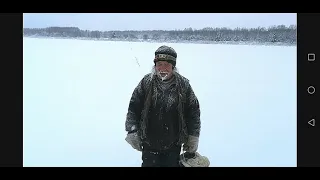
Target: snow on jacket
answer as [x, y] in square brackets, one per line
[162, 115]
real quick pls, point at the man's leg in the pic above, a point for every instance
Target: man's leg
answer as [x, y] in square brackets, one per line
[150, 159]
[171, 157]
[150, 156]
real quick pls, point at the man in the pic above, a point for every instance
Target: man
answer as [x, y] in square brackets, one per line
[163, 114]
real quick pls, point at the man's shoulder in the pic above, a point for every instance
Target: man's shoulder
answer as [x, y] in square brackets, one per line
[147, 77]
[185, 80]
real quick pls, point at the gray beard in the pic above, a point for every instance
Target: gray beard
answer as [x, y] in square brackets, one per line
[154, 72]
[165, 84]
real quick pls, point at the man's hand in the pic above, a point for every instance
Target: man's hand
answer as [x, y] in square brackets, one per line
[134, 140]
[192, 145]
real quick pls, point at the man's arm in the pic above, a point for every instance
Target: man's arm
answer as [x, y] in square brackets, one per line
[135, 107]
[192, 113]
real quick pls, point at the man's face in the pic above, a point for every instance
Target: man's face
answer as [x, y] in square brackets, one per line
[164, 69]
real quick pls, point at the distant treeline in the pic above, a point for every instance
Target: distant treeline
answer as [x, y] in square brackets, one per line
[274, 34]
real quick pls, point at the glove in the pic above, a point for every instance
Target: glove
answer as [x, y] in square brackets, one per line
[192, 145]
[134, 140]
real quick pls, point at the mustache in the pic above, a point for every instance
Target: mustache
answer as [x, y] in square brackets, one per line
[153, 71]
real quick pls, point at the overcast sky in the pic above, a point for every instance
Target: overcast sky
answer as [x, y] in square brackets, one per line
[156, 21]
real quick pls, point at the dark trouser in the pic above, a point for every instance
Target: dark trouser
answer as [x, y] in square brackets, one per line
[164, 158]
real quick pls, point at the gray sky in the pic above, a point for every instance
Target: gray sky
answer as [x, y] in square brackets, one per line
[156, 21]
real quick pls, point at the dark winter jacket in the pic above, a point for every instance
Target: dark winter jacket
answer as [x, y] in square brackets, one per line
[163, 116]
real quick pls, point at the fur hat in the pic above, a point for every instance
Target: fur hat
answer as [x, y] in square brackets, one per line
[165, 53]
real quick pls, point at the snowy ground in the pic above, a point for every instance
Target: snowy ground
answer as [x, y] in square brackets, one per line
[76, 95]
